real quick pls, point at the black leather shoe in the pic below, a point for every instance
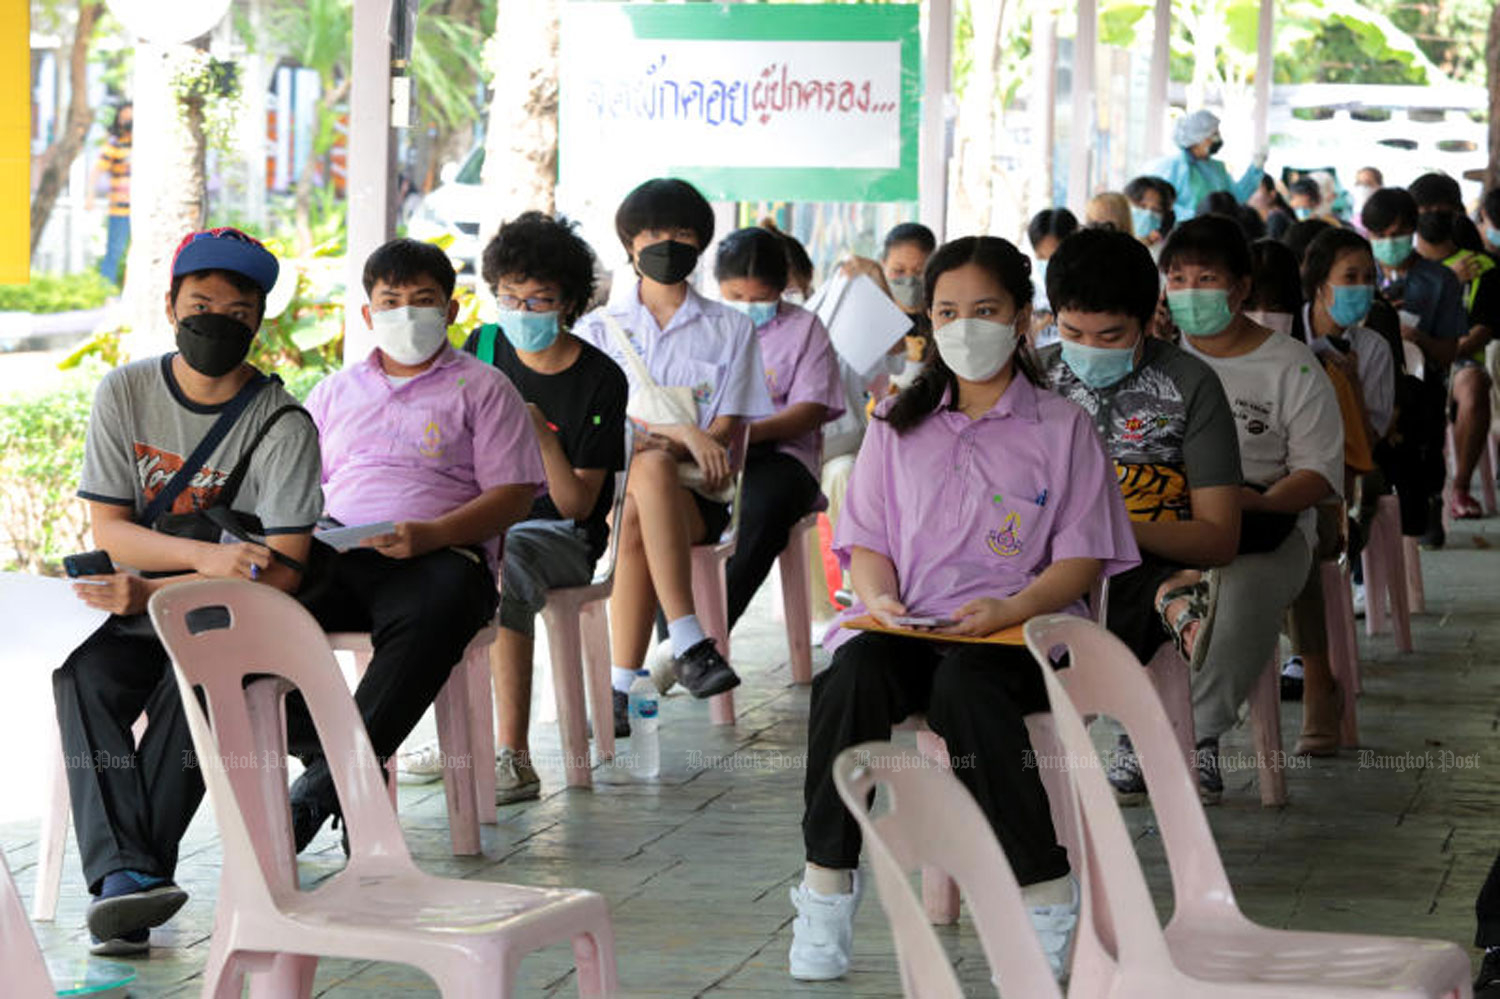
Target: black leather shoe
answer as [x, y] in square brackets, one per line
[704, 672]
[622, 713]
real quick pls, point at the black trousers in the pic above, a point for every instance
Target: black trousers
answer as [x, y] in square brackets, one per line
[976, 697]
[777, 491]
[1132, 613]
[1487, 909]
[131, 804]
[421, 614]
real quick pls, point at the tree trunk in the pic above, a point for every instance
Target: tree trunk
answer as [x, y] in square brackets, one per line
[974, 204]
[167, 190]
[52, 166]
[520, 165]
[1492, 62]
[328, 102]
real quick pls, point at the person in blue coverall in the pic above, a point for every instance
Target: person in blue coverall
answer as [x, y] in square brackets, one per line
[1194, 171]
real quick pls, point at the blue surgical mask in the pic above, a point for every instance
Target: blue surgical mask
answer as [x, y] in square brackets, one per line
[1492, 235]
[1392, 251]
[1350, 303]
[1303, 214]
[1144, 221]
[528, 331]
[1098, 367]
[760, 313]
[1200, 311]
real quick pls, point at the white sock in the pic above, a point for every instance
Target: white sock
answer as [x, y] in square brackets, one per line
[621, 678]
[828, 881]
[685, 632]
[1058, 891]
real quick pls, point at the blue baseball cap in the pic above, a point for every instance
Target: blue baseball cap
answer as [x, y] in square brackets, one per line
[226, 249]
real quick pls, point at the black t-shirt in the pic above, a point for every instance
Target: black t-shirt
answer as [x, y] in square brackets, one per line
[1484, 307]
[585, 404]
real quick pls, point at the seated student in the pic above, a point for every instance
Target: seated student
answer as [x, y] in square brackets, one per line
[782, 466]
[682, 340]
[1109, 208]
[439, 444]
[1306, 199]
[1165, 423]
[1440, 213]
[542, 276]
[981, 497]
[1275, 300]
[1272, 207]
[1292, 458]
[1489, 219]
[1151, 215]
[1432, 295]
[142, 465]
[1045, 232]
[903, 257]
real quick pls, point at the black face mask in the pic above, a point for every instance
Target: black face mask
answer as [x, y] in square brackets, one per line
[1215, 146]
[667, 262]
[213, 345]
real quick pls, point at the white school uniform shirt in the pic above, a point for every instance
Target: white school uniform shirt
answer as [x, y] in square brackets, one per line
[1286, 414]
[1377, 368]
[706, 346]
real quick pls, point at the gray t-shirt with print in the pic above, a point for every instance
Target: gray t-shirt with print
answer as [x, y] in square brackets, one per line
[143, 428]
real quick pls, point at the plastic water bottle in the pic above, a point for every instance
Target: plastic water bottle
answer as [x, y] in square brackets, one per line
[645, 742]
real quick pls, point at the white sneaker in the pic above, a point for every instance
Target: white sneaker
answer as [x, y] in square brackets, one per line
[822, 933]
[515, 778]
[1056, 925]
[420, 765]
[663, 667]
[1359, 599]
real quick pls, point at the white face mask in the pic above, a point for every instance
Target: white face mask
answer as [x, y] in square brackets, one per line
[975, 349]
[410, 334]
[1278, 322]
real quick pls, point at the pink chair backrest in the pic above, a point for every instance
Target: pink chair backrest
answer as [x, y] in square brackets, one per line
[218, 632]
[605, 570]
[932, 820]
[1104, 678]
[26, 975]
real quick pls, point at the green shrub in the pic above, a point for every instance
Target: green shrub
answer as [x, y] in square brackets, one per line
[41, 457]
[57, 293]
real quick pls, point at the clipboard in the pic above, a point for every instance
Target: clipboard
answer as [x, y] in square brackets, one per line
[1005, 636]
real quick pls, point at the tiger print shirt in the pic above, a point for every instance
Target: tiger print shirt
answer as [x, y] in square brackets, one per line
[1167, 426]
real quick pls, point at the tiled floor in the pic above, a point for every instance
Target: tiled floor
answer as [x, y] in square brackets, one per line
[696, 866]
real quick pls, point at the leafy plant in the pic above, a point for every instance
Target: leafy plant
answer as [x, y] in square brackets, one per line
[41, 457]
[46, 293]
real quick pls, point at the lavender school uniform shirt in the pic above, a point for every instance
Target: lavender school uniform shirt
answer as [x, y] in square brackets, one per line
[422, 449]
[707, 347]
[801, 366]
[979, 508]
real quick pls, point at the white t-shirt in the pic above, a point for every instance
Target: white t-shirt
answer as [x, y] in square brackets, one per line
[1377, 370]
[1286, 414]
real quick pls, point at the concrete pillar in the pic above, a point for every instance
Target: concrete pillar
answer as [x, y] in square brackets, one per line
[1043, 111]
[1085, 41]
[1263, 72]
[371, 219]
[1156, 88]
[937, 71]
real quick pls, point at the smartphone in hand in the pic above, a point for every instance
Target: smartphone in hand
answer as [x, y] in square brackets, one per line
[94, 563]
[923, 622]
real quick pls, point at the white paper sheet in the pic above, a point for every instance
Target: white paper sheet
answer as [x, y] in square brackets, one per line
[862, 321]
[344, 538]
[44, 619]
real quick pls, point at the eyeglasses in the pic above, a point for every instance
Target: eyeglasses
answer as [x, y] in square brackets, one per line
[538, 303]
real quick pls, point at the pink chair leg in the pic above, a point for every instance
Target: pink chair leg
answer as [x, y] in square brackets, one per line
[1265, 722]
[1486, 473]
[482, 732]
[565, 638]
[595, 634]
[1377, 564]
[456, 746]
[796, 598]
[1416, 592]
[711, 603]
[1171, 678]
[939, 891]
[54, 835]
[1343, 657]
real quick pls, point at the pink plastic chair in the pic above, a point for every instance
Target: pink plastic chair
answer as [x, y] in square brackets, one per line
[56, 820]
[466, 736]
[1209, 948]
[710, 592]
[25, 972]
[904, 838]
[1388, 579]
[578, 643]
[469, 936]
[1484, 469]
[796, 597]
[1343, 645]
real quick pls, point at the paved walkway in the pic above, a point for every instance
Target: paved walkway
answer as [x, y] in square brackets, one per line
[697, 866]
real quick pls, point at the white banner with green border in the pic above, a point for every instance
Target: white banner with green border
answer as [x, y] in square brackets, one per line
[793, 102]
